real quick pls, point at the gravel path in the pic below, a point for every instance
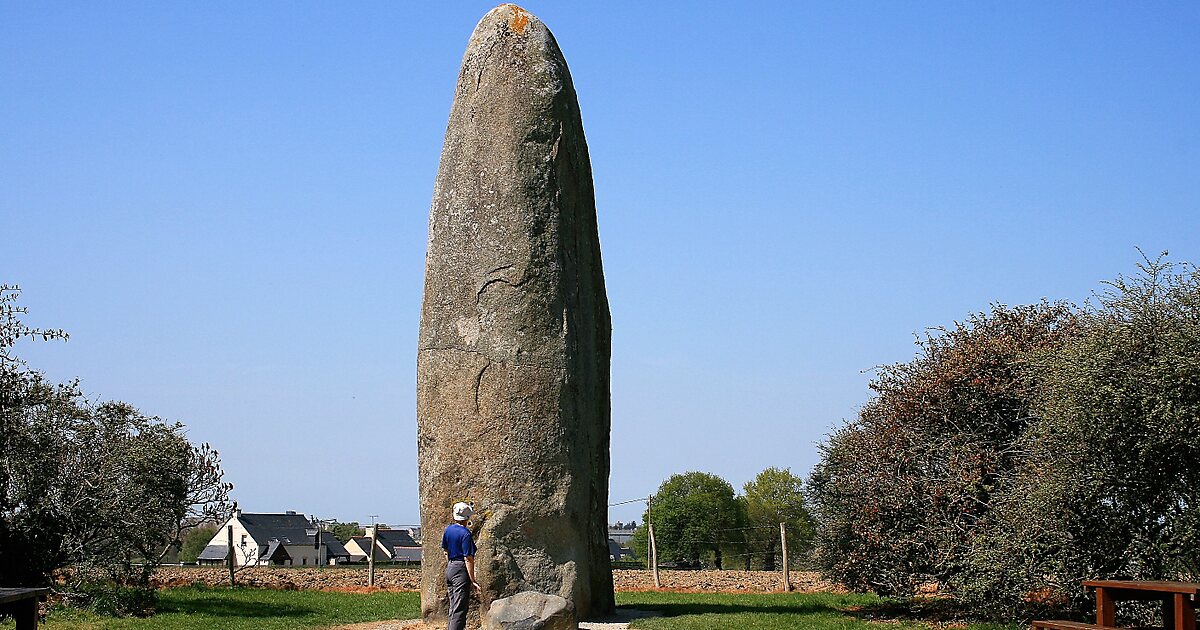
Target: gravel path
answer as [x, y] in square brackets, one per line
[619, 621]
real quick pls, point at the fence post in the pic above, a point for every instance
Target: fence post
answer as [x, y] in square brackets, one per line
[371, 562]
[653, 555]
[787, 578]
[651, 546]
[229, 558]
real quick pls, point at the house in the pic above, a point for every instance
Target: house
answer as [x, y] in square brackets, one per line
[287, 539]
[617, 553]
[391, 545]
[620, 539]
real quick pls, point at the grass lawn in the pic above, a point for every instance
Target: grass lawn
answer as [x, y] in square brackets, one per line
[222, 608]
[226, 609]
[779, 611]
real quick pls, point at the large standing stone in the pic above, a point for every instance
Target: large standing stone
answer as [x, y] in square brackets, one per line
[513, 358]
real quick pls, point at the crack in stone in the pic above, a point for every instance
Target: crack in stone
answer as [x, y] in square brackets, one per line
[515, 285]
[479, 381]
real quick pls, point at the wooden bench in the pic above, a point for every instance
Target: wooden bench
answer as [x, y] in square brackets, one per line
[22, 605]
[1178, 599]
[1055, 624]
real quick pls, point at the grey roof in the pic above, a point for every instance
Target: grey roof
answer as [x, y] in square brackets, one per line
[364, 543]
[288, 529]
[395, 538]
[406, 554]
[276, 551]
[618, 552]
[333, 547]
[214, 552]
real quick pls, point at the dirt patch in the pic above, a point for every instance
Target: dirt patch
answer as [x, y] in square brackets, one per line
[409, 624]
[721, 581]
[354, 580]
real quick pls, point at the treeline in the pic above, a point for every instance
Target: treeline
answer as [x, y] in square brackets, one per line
[1025, 450]
[92, 495]
[700, 521]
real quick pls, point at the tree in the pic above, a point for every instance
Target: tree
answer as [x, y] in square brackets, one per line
[101, 488]
[195, 541]
[775, 496]
[345, 531]
[1110, 486]
[696, 517]
[900, 490]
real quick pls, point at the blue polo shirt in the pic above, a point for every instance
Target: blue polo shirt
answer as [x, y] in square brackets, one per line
[456, 540]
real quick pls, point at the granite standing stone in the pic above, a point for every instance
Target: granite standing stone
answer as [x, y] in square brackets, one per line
[513, 356]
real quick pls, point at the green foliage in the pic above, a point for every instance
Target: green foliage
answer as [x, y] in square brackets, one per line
[115, 600]
[1110, 486]
[1026, 451]
[195, 540]
[100, 488]
[345, 531]
[766, 611]
[776, 496]
[900, 490]
[696, 518]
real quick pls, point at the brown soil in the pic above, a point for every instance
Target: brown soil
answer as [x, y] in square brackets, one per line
[354, 579]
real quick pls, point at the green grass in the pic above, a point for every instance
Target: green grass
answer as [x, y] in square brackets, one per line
[778, 611]
[233, 609]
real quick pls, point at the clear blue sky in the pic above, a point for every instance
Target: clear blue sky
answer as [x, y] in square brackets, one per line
[225, 203]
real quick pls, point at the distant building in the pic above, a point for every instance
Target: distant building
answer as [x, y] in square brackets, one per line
[287, 539]
[618, 553]
[622, 536]
[391, 545]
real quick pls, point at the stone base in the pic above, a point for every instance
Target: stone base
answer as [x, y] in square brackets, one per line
[531, 610]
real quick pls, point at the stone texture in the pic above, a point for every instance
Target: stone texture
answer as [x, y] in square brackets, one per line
[530, 610]
[513, 355]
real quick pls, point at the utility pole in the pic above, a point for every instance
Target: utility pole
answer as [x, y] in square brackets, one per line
[371, 556]
[787, 578]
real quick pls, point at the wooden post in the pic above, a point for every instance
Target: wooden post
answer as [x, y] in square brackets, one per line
[371, 556]
[1105, 611]
[787, 578]
[653, 555]
[229, 531]
[651, 546]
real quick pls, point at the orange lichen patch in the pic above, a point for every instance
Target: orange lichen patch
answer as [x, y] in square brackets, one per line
[520, 19]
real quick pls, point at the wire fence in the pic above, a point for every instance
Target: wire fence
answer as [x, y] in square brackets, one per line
[770, 556]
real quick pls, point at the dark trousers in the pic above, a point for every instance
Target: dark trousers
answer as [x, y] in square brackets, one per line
[458, 588]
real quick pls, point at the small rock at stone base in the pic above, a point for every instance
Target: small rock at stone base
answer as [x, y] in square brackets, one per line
[530, 610]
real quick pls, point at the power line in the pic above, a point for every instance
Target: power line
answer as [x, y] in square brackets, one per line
[629, 501]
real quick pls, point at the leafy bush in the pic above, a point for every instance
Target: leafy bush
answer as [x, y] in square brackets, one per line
[899, 490]
[1025, 451]
[115, 600]
[100, 488]
[1110, 483]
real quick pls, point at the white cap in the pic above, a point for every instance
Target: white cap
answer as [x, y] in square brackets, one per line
[462, 511]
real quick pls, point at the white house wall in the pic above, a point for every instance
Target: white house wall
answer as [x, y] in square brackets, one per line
[244, 545]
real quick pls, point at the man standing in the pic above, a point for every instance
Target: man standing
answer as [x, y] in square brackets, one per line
[460, 571]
